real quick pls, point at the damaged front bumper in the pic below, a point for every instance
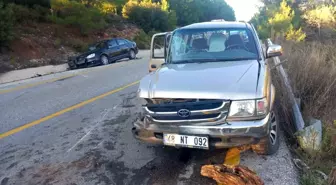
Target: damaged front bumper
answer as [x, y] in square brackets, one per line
[223, 135]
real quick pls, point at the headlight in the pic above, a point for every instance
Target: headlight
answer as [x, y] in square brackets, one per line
[244, 108]
[91, 55]
[248, 108]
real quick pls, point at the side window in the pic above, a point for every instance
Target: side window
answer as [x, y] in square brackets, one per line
[121, 42]
[101, 45]
[112, 43]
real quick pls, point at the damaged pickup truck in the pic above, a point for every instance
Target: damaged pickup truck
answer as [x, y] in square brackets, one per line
[212, 90]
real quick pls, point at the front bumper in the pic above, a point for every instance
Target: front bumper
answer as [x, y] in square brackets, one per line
[225, 135]
[74, 63]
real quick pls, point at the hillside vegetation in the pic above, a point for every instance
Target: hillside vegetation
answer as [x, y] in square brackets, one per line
[307, 32]
[41, 32]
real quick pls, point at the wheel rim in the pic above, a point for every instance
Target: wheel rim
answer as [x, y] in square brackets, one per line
[273, 131]
[104, 60]
[132, 54]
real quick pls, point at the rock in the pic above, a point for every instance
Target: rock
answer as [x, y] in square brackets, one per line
[332, 177]
[310, 137]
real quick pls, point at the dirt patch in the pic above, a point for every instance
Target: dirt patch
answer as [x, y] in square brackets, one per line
[59, 173]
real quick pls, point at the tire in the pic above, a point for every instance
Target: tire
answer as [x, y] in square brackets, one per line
[104, 60]
[131, 54]
[270, 144]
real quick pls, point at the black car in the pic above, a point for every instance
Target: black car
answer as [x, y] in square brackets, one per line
[105, 52]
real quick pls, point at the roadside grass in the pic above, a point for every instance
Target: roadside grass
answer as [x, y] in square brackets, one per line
[310, 179]
[311, 68]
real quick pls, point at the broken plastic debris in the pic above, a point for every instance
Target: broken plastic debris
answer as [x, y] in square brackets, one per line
[231, 175]
[310, 137]
[232, 157]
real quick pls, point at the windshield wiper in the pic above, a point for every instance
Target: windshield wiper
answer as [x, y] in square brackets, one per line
[211, 60]
[196, 61]
[240, 58]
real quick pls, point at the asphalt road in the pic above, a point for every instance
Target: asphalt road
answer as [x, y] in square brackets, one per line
[75, 128]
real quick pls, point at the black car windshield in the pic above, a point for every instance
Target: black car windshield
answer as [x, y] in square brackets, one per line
[210, 45]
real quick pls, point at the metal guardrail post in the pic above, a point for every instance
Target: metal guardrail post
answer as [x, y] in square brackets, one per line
[298, 120]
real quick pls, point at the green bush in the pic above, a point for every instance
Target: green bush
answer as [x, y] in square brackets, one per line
[172, 20]
[25, 14]
[30, 3]
[6, 23]
[113, 19]
[77, 44]
[142, 40]
[78, 15]
[42, 12]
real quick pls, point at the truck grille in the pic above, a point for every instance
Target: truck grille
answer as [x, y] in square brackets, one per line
[193, 110]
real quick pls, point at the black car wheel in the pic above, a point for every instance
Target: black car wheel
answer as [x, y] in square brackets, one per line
[72, 66]
[269, 144]
[132, 54]
[104, 60]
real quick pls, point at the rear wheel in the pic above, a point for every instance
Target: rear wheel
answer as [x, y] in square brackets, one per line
[104, 60]
[269, 144]
[131, 54]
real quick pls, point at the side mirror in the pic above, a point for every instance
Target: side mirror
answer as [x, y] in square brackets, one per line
[274, 51]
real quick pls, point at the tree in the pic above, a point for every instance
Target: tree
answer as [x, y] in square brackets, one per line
[172, 20]
[323, 15]
[164, 5]
[149, 15]
[191, 11]
[6, 23]
[30, 3]
[282, 19]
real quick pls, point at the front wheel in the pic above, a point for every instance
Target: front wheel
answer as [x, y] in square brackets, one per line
[269, 144]
[131, 54]
[104, 60]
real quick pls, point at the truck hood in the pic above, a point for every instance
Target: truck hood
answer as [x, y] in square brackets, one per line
[212, 80]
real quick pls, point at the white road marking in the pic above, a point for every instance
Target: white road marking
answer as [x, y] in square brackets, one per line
[106, 111]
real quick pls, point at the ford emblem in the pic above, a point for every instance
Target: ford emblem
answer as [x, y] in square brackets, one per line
[184, 113]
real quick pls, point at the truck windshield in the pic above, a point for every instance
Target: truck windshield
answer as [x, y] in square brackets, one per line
[210, 45]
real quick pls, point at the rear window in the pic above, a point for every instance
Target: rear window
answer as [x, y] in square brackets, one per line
[121, 42]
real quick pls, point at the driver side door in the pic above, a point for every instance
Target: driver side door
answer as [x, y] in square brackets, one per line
[158, 51]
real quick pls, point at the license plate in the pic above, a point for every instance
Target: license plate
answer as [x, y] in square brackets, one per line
[201, 142]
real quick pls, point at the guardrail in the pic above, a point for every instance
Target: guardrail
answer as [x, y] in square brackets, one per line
[298, 120]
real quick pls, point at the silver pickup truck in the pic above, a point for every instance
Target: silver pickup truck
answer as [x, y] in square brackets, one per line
[213, 90]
